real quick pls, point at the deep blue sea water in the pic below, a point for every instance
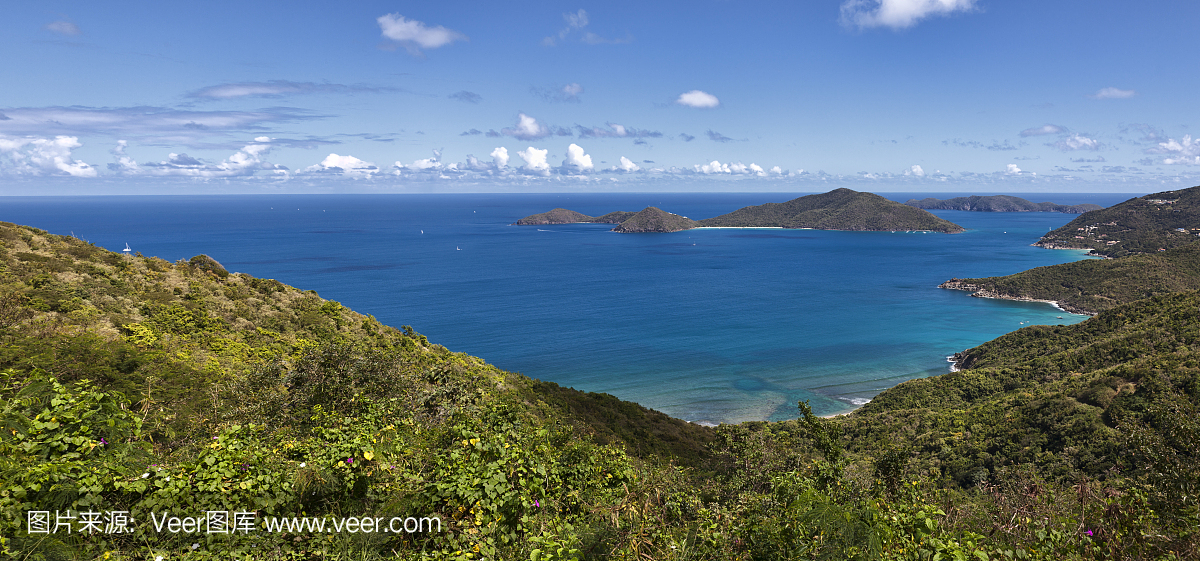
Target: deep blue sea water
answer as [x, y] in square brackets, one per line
[714, 325]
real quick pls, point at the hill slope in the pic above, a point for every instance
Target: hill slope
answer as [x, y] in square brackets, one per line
[840, 209]
[997, 203]
[653, 219]
[1140, 225]
[1095, 285]
[555, 216]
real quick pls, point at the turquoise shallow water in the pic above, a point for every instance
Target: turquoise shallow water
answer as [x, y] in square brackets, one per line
[713, 325]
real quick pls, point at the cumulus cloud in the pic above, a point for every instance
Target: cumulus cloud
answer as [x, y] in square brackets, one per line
[698, 99]
[122, 162]
[1012, 169]
[527, 128]
[916, 171]
[535, 161]
[560, 94]
[42, 156]
[415, 35]
[280, 88]
[247, 161]
[1179, 152]
[626, 165]
[1043, 130]
[466, 97]
[500, 157]
[776, 170]
[1076, 142]
[898, 14]
[64, 28]
[712, 167]
[1113, 93]
[345, 166]
[577, 160]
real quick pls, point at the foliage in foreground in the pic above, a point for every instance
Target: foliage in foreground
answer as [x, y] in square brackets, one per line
[141, 386]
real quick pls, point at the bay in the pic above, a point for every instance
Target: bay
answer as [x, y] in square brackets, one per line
[709, 325]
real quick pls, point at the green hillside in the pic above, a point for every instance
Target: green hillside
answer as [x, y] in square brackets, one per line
[1140, 225]
[840, 209]
[1095, 285]
[556, 216]
[653, 219]
[135, 385]
[997, 203]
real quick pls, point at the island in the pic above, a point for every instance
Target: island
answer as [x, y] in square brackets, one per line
[997, 203]
[564, 216]
[1154, 222]
[656, 220]
[840, 209]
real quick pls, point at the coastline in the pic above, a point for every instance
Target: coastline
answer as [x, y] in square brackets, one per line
[980, 292]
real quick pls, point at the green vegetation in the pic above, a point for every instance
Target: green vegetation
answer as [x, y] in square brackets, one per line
[655, 220]
[1146, 224]
[997, 203]
[564, 216]
[135, 384]
[556, 216]
[840, 209]
[1095, 285]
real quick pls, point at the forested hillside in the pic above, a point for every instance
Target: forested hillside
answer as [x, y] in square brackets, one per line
[135, 385]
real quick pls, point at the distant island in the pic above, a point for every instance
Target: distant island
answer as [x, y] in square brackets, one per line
[655, 220]
[564, 216]
[1147, 224]
[997, 203]
[840, 209]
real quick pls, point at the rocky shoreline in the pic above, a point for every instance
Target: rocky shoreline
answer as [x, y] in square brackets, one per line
[981, 292]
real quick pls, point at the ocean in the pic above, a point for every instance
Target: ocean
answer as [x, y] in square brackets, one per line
[712, 326]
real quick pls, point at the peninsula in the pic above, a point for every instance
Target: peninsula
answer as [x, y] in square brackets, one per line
[1154, 222]
[840, 209]
[997, 203]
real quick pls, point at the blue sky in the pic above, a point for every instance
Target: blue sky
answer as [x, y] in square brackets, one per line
[879, 95]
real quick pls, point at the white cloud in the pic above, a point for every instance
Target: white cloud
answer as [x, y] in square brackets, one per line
[247, 161]
[535, 160]
[915, 171]
[698, 99]
[758, 170]
[42, 156]
[413, 34]
[527, 128]
[626, 165]
[577, 161]
[776, 170]
[157, 124]
[1186, 151]
[280, 88]
[712, 167]
[1012, 169]
[1113, 93]
[1076, 142]
[898, 14]
[346, 166]
[500, 157]
[64, 28]
[577, 20]
[1043, 130]
[123, 163]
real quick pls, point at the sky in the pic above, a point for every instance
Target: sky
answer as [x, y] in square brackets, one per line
[545, 96]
